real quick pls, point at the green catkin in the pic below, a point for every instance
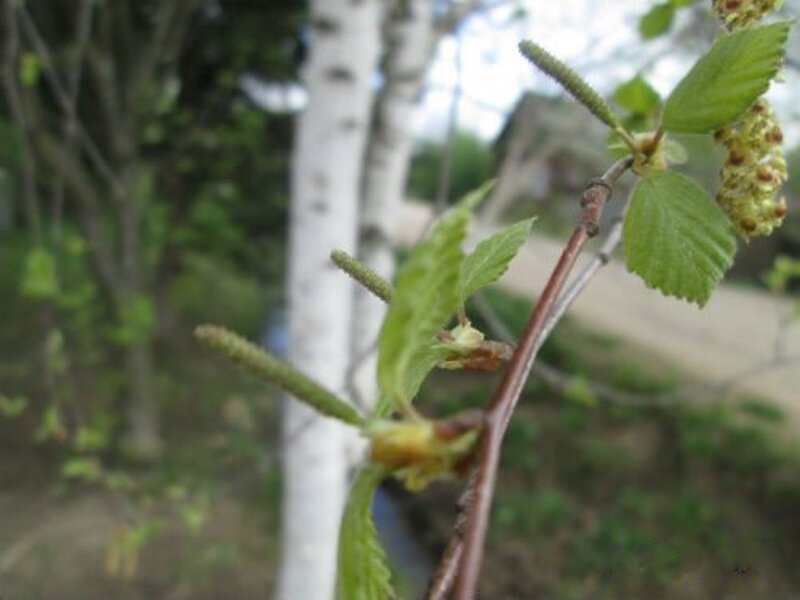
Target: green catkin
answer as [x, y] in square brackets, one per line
[363, 275]
[277, 372]
[755, 167]
[570, 81]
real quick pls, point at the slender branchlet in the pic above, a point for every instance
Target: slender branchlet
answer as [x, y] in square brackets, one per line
[570, 81]
[275, 371]
[363, 275]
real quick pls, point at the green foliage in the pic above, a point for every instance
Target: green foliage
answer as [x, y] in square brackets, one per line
[491, 257]
[676, 238]
[727, 79]
[12, 406]
[213, 289]
[471, 164]
[136, 321]
[363, 570]
[570, 81]
[39, 280]
[578, 391]
[532, 514]
[30, 69]
[426, 297]
[784, 270]
[616, 548]
[637, 96]
[82, 468]
[657, 21]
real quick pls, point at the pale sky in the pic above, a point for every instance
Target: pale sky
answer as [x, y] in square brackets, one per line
[598, 39]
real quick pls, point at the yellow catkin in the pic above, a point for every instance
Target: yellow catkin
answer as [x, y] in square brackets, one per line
[735, 14]
[754, 171]
[755, 167]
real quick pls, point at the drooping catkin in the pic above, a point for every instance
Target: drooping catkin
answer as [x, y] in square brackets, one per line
[754, 170]
[735, 14]
[755, 167]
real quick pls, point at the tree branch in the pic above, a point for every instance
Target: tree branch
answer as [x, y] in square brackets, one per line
[63, 100]
[171, 19]
[19, 118]
[503, 403]
[84, 29]
[64, 162]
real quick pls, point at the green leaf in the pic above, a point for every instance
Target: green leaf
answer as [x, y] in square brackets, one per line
[426, 296]
[491, 257]
[676, 238]
[363, 570]
[637, 96]
[421, 364]
[656, 21]
[727, 80]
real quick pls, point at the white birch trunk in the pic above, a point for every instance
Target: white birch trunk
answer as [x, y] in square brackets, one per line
[326, 175]
[411, 39]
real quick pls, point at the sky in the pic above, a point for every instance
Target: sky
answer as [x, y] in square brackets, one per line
[598, 39]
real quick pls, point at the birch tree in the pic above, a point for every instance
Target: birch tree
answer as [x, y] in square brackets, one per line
[413, 30]
[326, 174]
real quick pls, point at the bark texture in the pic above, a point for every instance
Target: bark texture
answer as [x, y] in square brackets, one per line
[326, 175]
[411, 37]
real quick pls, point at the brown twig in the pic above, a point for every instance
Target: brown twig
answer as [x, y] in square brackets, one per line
[465, 562]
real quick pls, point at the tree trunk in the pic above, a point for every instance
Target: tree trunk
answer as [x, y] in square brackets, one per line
[411, 38]
[326, 173]
[142, 435]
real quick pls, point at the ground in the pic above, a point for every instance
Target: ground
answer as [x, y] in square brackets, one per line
[689, 501]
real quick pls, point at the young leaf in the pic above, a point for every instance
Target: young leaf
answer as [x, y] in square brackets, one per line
[363, 572]
[491, 257]
[676, 238]
[570, 81]
[426, 295]
[637, 96]
[727, 80]
[656, 21]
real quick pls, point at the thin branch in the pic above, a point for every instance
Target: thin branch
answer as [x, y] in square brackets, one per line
[65, 163]
[19, 118]
[600, 259]
[63, 100]
[444, 577]
[170, 22]
[505, 399]
[84, 30]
